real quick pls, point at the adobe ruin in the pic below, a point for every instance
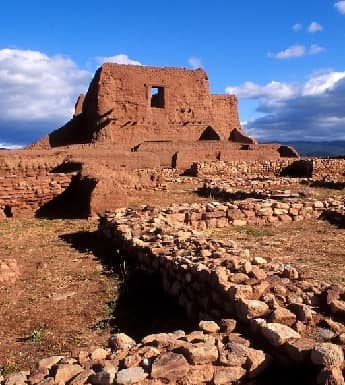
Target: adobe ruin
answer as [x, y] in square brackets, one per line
[168, 111]
[132, 117]
[130, 104]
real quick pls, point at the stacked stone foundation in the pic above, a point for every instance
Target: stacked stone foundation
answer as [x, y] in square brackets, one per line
[333, 169]
[279, 306]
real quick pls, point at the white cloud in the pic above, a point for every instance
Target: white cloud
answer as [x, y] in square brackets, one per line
[9, 146]
[310, 110]
[315, 27]
[321, 82]
[296, 51]
[297, 27]
[315, 49]
[340, 6]
[38, 87]
[317, 84]
[119, 59]
[195, 62]
[272, 90]
[290, 52]
[37, 93]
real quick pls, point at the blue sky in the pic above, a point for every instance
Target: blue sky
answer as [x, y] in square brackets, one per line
[284, 59]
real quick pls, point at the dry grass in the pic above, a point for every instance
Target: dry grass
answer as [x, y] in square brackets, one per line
[36, 319]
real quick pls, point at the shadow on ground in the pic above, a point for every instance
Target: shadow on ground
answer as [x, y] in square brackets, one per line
[142, 307]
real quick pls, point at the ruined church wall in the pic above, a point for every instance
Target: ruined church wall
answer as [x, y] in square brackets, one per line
[123, 103]
[182, 154]
[225, 114]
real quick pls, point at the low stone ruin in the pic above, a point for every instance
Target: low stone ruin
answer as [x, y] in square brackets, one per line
[317, 169]
[163, 358]
[285, 311]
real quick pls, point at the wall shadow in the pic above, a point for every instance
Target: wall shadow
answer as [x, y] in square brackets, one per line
[142, 306]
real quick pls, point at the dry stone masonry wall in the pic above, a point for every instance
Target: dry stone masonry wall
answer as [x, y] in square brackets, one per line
[333, 169]
[283, 309]
[215, 354]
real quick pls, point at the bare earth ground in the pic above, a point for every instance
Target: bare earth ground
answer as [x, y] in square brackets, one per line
[60, 296]
[65, 294]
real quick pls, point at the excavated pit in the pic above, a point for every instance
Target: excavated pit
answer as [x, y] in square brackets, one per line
[144, 308]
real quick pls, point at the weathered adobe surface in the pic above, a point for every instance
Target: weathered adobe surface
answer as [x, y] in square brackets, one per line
[22, 195]
[279, 306]
[182, 154]
[119, 108]
[30, 179]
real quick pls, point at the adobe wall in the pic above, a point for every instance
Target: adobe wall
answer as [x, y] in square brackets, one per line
[123, 102]
[22, 195]
[31, 179]
[181, 154]
[118, 108]
[328, 168]
[28, 163]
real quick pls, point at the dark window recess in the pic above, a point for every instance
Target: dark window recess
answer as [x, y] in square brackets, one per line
[157, 97]
[209, 134]
[8, 211]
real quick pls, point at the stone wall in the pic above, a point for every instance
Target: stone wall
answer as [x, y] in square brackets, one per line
[309, 168]
[240, 168]
[275, 303]
[328, 168]
[214, 355]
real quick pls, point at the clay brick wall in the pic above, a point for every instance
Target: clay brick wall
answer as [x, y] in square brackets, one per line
[21, 195]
